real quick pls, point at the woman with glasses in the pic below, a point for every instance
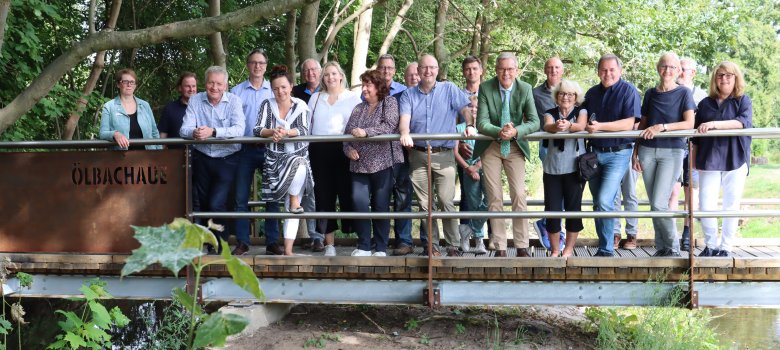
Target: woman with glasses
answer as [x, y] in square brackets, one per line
[722, 161]
[128, 117]
[562, 186]
[666, 107]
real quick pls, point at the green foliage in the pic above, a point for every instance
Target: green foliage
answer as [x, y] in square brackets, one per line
[412, 324]
[91, 329]
[217, 327]
[425, 340]
[5, 328]
[172, 333]
[25, 279]
[321, 341]
[460, 328]
[160, 244]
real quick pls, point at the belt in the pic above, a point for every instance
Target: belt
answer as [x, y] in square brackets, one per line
[433, 149]
[617, 148]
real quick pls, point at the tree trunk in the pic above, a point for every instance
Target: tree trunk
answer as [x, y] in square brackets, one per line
[395, 27]
[361, 41]
[289, 42]
[307, 31]
[439, 50]
[5, 6]
[94, 76]
[105, 40]
[336, 26]
[218, 55]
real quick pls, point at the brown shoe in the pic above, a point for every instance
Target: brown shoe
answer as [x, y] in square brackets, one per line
[241, 249]
[435, 252]
[616, 242]
[523, 253]
[306, 245]
[454, 251]
[274, 249]
[317, 246]
[630, 242]
[500, 254]
[403, 249]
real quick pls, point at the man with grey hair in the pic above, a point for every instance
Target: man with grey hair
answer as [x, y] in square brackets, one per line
[411, 77]
[214, 113]
[506, 113]
[310, 73]
[614, 105]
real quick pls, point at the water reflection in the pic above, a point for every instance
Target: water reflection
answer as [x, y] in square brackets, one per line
[748, 328]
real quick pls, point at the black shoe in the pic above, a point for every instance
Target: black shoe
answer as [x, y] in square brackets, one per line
[722, 253]
[666, 252]
[274, 249]
[707, 252]
[317, 246]
[604, 254]
[685, 242]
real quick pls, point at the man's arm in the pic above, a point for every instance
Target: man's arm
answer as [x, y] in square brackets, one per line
[405, 110]
[530, 118]
[190, 121]
[484, 125]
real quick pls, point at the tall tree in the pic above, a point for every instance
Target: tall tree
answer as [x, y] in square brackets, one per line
[218, 55]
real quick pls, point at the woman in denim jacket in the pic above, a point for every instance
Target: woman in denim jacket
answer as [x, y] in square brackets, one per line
[128, 117]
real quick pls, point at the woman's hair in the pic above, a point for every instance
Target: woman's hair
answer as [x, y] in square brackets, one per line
[739, 79]
[374, 77]
[280, 71]
[124, 71]
[324, 87]
[567, 85]
[666, 55]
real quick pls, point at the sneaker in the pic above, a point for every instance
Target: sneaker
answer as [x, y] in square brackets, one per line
[465, 236]
[630, 243]
[403, 249]
[480, 248]
[542, 232]
[604, 254]
[722, 253]
[707, 252]
[665, 252]
[317, 246]
[379, 254]
[330, 250]
[685, 242]
[358, 252]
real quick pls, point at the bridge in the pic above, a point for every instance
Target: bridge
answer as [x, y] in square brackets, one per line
[750, 277]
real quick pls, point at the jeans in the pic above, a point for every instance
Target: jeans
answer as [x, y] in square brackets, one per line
[660, 169]
[733, 184]
[627, 197]
[212, 178]
[250, 158]
[371, 193]
[473, 199]
[402, 202]
[604, 189]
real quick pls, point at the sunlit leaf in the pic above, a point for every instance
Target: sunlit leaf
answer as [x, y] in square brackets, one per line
[74, 340]
[195, 235]
[100, 316]
[159, 244]
[118, 317]
[242, 274]
[217, 327]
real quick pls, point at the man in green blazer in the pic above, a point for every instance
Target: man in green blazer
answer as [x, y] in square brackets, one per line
[506, 113]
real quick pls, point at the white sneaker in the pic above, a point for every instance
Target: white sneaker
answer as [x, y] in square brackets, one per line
[379, 254]
[465, 235]
[480, 249]
[358, 252]
[330, 250]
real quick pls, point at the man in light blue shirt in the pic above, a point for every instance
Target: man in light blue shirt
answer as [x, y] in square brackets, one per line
[432, 108]
[214, 113]
[253, 92]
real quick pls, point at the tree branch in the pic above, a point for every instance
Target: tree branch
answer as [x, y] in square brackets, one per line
[92, 6]
[218, 55]
[106, 40]
[332, 35]
[5, 6]
[411, 39]
[399, 18]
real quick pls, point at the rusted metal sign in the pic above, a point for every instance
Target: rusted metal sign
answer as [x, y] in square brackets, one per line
[86, 201]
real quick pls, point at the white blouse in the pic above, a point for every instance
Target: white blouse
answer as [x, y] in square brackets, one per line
[327, 119]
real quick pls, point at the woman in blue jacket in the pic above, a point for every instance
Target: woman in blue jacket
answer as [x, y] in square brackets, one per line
[128, 117]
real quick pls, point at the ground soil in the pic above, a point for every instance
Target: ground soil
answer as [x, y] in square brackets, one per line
[417, 327]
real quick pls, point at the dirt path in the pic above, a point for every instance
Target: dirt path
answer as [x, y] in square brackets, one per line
[416, 327]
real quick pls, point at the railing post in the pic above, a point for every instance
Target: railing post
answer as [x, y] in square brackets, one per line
[430, 295]
[692, 296]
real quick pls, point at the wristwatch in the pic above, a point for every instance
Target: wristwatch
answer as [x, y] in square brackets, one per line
[214, 133]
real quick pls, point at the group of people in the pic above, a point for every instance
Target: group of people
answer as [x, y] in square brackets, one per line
[360, 176]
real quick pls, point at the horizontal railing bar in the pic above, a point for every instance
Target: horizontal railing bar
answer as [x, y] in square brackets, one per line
[588, 202]
[491, 215]
[754, 132]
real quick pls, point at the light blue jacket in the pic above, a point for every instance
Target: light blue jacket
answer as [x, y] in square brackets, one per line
[114, 118]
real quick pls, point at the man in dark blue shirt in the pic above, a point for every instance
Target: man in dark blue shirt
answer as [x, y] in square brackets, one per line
[614, 105]
[173, 112]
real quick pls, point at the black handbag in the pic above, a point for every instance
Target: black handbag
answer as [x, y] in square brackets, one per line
[587, 165]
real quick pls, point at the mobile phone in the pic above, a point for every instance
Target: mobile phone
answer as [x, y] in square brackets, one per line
[592, 118]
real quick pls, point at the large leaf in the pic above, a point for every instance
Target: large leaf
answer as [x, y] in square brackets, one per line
[119, 318]
[100, 316]
[195, 235]
[187, 301]
[5, 326]
[217, 328]
[242, 274]
[160, 244]
[74, 340]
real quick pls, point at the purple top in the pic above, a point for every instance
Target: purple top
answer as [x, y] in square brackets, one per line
[723, 153]
[374, 156]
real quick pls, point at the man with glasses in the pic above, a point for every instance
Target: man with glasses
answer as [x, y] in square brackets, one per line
[310, 72]
[214, 113]
[253, 92]
[614, 105]
[432, 108]
[506, 113]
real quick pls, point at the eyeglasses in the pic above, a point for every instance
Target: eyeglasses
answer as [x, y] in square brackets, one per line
[309, 70]
[724, 75]
[428, 67]
[505, 70]
[385, 68]
[567, 94]
[687, 69]
[664, 67]
[127, 82]
[257, 63]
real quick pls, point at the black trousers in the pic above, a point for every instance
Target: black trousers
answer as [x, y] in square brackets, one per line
[330, 169]
[563, 190]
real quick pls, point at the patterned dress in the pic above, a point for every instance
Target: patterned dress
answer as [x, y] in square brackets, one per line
[282, 159]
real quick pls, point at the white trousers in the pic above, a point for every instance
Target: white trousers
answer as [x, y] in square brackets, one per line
[296, 189]
[710, 184]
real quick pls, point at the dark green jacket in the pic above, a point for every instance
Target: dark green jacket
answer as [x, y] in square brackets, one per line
[522, 114]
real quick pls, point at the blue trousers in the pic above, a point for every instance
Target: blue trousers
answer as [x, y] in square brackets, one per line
[211, 178]
[402, 202]
[604, 188]
[371, 193]
[250, 158]
[473, 199]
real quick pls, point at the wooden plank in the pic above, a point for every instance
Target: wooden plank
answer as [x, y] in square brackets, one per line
[757, 252]
[336, 269]
[658, 262]
[319, 269]
[305, 268]
[756, 262]
[724, 262]
[501, 262]
[768, 250]
[59, 258]
[738, 252]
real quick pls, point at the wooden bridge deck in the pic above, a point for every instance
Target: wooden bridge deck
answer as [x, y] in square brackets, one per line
[752, 260]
